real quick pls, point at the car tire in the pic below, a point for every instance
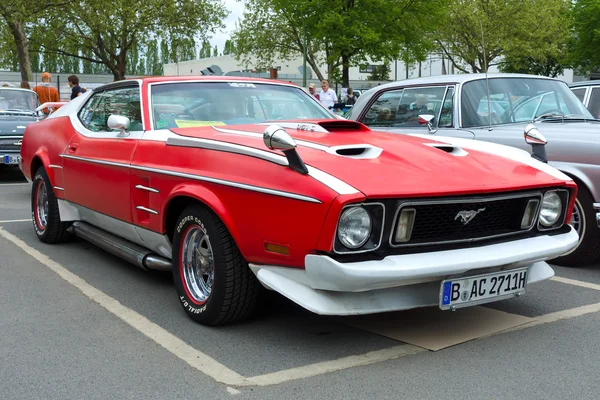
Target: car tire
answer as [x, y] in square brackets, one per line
[588, 248]
[44, 210]
[213, 281]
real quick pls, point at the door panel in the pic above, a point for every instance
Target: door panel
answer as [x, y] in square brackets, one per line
[96, 161]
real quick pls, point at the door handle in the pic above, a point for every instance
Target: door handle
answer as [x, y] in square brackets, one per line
[73, 147]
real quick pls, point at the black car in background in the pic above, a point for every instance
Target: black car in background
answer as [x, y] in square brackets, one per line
[17, 110]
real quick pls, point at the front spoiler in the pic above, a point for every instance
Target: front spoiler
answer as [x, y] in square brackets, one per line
[408, 281]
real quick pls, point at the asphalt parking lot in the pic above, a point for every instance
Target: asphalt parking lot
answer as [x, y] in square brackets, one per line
[76, 322]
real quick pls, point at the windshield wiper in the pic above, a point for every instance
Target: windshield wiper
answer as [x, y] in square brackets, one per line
[549, 116]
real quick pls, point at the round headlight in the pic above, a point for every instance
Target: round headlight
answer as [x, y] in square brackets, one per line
[551, 209]
[354, 227]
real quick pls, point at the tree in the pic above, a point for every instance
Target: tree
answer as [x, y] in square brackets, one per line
[529, 65]
[340, 32]
[17, 14]
[520, 30]
[586, 39]
[229, 48]
[105, 31]
[215, 52]
[205, 50]
[380, 72]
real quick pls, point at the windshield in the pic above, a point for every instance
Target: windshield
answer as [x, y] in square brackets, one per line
[17, 100]
[189, 104]
[518, 100]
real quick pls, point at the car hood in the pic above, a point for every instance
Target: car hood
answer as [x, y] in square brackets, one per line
[11, 125]
[388, 165]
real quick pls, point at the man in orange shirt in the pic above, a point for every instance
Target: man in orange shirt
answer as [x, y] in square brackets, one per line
[46, 92]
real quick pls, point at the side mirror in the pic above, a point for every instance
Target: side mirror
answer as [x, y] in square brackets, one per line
[276, 138]
[537, 141]
[426, 119]
[118, 122]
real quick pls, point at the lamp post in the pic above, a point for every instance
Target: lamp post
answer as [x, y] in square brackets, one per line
[304, 56]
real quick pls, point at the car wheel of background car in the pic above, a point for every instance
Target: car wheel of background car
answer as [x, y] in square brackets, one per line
[214, 283]
[44, 210]
[584, 222]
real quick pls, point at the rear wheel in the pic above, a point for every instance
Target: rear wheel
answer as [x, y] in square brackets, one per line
[214, 283]
[584, 222]
[44, 210]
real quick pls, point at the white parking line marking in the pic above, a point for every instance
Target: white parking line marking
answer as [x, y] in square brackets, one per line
[576, 283]
[324, 367]
[555, 317]
[161, 336]
[8, 221]
[14, 184]
[232, 391]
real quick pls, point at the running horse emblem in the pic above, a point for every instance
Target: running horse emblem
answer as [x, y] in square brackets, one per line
[467, 216]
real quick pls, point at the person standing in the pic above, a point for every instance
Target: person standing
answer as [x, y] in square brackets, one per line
[327, 95]
[312, 91]
[350, 98]
[76, 90]
[46, 92]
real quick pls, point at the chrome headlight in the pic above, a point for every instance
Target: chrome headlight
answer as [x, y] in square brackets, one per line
[551, 209]
[354, 227]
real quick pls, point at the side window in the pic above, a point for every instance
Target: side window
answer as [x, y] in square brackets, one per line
[446, 120]
[580, 93]
[382, 112]
[552, 103]
[416, 101]
[122, 101]
[88, 114]
[594, 105]
[526, 110]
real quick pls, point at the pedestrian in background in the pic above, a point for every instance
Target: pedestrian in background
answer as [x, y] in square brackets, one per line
[327, 95]
[76, 90]
[312, 90]
[46, 92]
[25, 85]
[350, 97]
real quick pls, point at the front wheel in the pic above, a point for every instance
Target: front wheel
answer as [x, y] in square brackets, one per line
[213, 281]
[584, 223]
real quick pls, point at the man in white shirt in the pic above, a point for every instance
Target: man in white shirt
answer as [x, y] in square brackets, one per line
[327, 96]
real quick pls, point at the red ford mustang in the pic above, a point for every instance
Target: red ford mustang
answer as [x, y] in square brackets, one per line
[237, 185]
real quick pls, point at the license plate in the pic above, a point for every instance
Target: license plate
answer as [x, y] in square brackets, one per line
[470, 291]
[12, 159]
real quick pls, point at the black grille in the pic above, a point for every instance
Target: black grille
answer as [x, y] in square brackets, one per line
[9, 145]
[445, 222]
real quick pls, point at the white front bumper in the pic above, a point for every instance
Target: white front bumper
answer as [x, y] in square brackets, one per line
[401, 282]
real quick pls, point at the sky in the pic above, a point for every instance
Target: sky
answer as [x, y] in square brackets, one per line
[236, 10]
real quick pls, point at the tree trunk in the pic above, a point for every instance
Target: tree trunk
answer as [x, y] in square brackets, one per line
[345, 71]
[311, 61]
[18, 30]
[120, 67]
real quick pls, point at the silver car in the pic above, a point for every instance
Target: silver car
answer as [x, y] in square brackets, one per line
[589, 94]
[498, 109]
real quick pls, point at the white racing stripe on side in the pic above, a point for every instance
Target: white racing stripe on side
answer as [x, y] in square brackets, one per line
[499, 150]
[193, 357]
[331, 181]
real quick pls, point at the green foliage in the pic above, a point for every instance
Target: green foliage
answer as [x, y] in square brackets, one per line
[229, 47]
[380, 72]
[586, 40]
[524, 31]
[106, 30]
[205, 50]
[339, 32]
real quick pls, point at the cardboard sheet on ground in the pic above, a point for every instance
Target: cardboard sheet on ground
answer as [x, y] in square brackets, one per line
[434, 329]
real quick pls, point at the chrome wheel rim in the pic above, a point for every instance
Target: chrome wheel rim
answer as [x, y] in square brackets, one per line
[198, 264]
[41, 205]
[576, 221]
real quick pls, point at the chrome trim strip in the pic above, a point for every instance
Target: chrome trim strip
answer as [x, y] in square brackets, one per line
[461, 201]
[54, 166]
[151, 211]
[95, 161]
[380, 236]
[229, 183]
[58, 188]
[304, 143]
[149, 189]
[227, 147]
[596, 206]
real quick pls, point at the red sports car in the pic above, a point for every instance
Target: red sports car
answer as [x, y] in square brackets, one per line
[237, 185]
